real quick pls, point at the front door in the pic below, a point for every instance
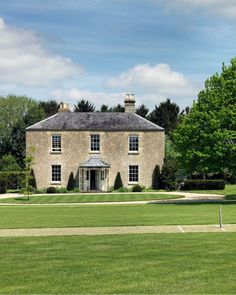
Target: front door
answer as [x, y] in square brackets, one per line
[92, 179]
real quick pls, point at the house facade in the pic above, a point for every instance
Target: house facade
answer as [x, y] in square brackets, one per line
[94, 147]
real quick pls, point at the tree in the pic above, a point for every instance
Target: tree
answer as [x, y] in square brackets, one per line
[17, 137]
[8, 163]
[156, 177]
[104, 108]
[29, 175]
[71, 182]
[118, 181]
[168, 174]
[84, 106]
[17, 113]
[118, 109]
[204, 138]
[166, 115]
[142, 111]
[50, 107]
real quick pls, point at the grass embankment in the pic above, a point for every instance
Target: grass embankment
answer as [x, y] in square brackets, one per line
[112, 215]
[88, 198]
[124, 264]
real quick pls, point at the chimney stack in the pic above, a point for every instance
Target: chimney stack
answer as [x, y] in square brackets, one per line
[64, 107]
[129, 103]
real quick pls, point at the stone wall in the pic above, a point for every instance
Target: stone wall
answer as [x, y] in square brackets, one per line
[114, 150]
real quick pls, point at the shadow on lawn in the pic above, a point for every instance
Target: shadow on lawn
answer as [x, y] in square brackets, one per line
[197, 202]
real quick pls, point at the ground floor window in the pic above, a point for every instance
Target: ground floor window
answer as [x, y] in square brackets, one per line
[102, 175]
[133, 173]
[56, 173]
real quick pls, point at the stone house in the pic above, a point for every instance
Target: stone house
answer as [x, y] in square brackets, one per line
[95, 147]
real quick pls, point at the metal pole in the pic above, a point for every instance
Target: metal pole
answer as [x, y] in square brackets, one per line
[220, 217]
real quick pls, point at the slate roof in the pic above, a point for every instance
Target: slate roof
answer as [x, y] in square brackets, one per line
[94, 162]
[63, 121]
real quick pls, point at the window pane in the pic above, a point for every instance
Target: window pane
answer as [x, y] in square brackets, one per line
[56, 172]
[133, 173]
[56, 143]
[133, 143]
[95, 142]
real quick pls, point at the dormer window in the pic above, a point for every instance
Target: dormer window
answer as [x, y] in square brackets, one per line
[56, 143]
[133, 143]
[95, 143]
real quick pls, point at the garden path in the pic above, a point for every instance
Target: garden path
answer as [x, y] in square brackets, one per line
[35, 232]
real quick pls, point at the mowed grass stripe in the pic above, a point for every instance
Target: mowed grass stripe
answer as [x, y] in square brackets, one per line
[87, 198]
[113, 215]
[131, 264]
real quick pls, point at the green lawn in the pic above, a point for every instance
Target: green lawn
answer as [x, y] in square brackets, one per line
[122, 264]
[112, 215]
[230, 189]
[88, 198]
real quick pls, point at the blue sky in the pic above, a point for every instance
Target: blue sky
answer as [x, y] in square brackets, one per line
[101, 49]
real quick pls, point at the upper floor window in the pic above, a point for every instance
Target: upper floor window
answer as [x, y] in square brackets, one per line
[95, 143]
[56, 143]
[56, 173]
[133, 143]
[133, 173]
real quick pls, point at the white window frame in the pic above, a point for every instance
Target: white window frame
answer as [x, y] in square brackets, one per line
[56, 175]
[133, 173]
[55, 149]
[133, 145]
[94, 144]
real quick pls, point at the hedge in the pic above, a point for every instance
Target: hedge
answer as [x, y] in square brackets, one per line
[201, 184]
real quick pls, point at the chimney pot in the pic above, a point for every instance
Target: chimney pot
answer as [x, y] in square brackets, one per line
[64, 107]
[129, 103]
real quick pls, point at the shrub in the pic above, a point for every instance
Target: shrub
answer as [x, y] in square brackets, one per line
[118, 181]
[168, 179]
[71, 182]
[156, 177]
[136, 188]
[76, 190]
[61, 190]
[123, 189]
[40, 191]
[51, 190]
[201, 184]
[3, 183]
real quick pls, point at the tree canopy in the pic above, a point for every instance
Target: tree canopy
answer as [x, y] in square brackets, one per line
[17, 113]
[50, 107]
[84, 106]
[166, 114]
[142, 111]
[205, 136]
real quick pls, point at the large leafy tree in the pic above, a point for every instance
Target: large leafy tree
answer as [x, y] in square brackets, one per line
[205, 137]
[84, 106]
[16, 113]
[166, 114]
[49, 107]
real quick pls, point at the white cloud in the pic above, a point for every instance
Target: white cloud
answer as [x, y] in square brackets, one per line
[24, 60]
[159, 80]
[72, 95]
[226, 8]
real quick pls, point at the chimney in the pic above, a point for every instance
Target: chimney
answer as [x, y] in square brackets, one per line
[64, 107]
[129, 103]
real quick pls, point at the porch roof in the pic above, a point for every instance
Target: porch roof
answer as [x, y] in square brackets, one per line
[94, 162]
